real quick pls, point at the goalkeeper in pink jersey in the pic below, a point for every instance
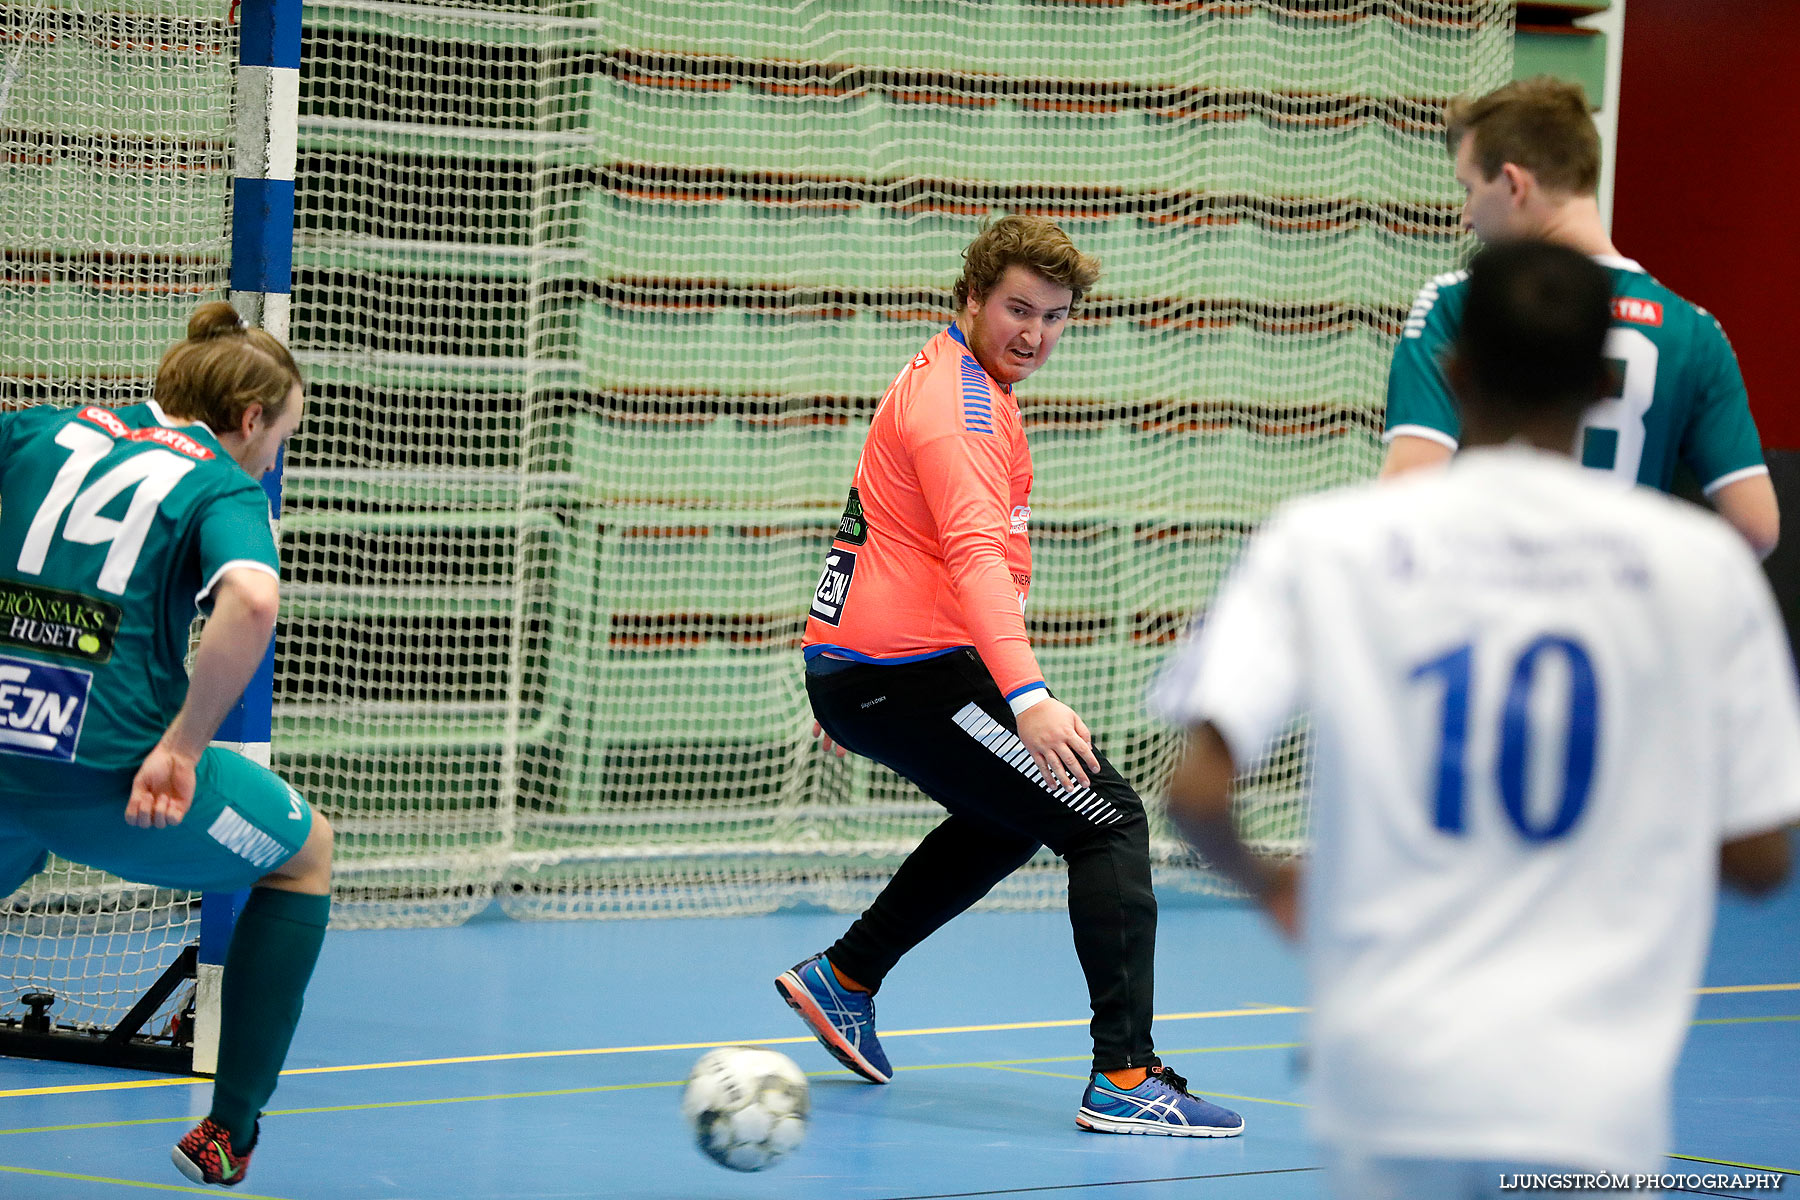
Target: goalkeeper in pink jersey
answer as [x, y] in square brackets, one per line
[917, 657]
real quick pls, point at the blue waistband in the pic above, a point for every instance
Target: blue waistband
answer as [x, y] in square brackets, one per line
[828, 660]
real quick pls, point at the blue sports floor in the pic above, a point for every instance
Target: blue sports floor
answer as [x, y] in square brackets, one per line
[546, 1060]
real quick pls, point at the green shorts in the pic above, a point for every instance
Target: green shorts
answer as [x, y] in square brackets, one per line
[244, 823]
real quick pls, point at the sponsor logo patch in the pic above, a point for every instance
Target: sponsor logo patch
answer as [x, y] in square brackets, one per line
[41, 708]
[1638, 312]
[106, 421]
[834, 586]
[56, 622]
[1021, 516]
[852, 527]
[174, 439]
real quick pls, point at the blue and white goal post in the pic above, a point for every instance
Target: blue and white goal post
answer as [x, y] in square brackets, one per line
[262, 257]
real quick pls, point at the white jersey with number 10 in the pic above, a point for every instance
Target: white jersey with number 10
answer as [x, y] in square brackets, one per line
[1538, 706]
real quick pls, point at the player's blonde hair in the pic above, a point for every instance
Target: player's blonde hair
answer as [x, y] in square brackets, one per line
[222, 368]
[1024, 241]
[1542, 124]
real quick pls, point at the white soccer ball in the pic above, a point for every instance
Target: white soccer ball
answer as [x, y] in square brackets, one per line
[747, 1107]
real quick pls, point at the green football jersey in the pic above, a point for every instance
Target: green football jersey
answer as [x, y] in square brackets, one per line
[115, 527]
[1676, 393]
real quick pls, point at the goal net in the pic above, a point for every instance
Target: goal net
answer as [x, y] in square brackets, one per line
[115, 180]
[595, 301]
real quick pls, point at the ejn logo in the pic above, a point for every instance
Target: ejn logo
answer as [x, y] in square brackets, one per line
[41, 708]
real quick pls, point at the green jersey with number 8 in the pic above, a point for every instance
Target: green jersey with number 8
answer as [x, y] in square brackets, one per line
[115, 526]
[1675, 394]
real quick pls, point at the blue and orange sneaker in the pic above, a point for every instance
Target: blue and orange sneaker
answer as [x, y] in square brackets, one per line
[206, 1155]
[842, 1019]
[1161, 1105]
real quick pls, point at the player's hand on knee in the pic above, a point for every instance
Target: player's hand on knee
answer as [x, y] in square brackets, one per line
[1059, 742]
[826, 742]
[162, 790]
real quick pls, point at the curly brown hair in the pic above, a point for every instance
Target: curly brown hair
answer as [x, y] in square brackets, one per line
[1027, 241]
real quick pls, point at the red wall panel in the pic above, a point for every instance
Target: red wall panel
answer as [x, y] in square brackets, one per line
[1708, 176]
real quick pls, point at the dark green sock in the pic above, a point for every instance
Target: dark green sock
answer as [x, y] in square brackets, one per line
[271, 956]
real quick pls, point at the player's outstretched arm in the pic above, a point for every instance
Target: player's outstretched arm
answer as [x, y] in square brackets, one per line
[1200, 807]
[1059, 742]
[1749, 505]
[231, 648]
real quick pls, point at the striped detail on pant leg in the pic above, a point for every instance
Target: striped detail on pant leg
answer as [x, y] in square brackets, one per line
[246, 841]
[1006, 746]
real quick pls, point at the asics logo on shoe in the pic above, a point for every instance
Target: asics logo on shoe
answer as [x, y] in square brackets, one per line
[1161, 1104]
[847, 1019]
[1162, 1108]
[843, 1020]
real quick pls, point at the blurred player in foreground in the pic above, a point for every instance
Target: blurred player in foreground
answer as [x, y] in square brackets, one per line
[114, 527]
[1528, 159]
[1546, 713]
[917, 657]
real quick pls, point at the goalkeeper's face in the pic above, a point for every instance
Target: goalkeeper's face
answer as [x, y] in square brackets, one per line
[1013, 328]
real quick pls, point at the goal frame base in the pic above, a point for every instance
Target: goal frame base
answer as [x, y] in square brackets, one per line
[122, 1046]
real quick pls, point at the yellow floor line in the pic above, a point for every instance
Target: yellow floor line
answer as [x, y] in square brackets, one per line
[135, 1183]
[1249, 1099]
[1198, 1092]
[1725, 1162]
[369, 1107]
[1068, 1058]
[1045, 1074]
[1256, 1010]
[1017, 1065]
[189, 1080]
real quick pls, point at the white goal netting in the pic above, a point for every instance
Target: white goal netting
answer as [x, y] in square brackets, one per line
[595, 301]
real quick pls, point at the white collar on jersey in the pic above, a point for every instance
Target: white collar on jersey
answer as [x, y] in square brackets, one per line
[1619, 262]
[168, 422]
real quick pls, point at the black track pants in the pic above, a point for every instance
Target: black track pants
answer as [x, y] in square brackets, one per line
[943, 724]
